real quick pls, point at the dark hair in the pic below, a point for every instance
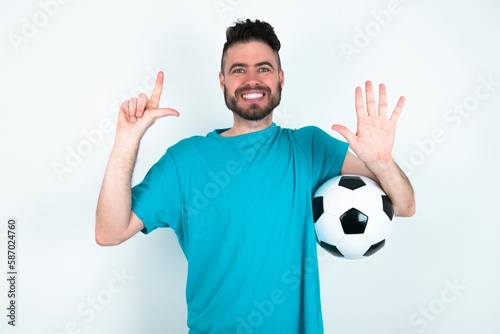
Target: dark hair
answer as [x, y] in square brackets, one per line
[249, 31]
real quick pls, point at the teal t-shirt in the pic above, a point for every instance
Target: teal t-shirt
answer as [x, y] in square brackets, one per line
[241, 209]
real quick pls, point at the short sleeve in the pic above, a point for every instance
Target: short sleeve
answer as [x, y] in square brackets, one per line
[326, 154]
[156, 199]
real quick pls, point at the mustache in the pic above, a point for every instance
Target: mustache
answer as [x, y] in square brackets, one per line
[242, 90]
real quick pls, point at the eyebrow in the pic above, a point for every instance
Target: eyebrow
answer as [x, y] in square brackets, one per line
[246, 65]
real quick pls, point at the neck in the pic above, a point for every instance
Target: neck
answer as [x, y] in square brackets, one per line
[242, 126]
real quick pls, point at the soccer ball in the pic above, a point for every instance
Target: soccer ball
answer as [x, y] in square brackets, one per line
[352, 216]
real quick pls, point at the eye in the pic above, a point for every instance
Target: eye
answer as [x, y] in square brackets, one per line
[264, 69]
[238, 71]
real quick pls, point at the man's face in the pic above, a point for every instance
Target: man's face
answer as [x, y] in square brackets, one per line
[251, 80]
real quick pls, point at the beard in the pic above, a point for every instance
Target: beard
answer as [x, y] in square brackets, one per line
[254, 112]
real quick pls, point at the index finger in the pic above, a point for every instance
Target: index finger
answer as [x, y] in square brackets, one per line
[154, 100]
[359, 103]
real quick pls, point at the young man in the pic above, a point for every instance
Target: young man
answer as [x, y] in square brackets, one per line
[239, 199]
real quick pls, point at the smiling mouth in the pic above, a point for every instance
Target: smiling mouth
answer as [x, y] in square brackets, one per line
[252, 96]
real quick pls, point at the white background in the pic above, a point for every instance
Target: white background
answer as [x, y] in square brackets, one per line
[65, 67]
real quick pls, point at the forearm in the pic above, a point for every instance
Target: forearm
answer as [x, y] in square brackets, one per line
[396, 185]
[114, 204]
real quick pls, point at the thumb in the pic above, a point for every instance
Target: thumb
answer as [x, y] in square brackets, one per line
[156, 114]
[150, 117]
[345, 132]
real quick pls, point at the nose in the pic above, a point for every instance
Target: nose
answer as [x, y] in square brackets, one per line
[252, 79]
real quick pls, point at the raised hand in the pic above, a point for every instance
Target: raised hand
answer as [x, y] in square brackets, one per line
[138, 114]
[374, 138]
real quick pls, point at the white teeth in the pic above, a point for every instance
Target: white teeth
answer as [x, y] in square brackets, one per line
[253, 96]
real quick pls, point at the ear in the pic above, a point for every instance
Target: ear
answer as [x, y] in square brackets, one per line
[221, 81]
[282, 78]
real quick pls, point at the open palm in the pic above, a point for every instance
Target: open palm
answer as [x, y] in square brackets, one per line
[374, 138]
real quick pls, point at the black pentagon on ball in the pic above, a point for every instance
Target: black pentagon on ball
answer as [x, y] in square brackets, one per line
[374, 248]
[387, 205]
[317, 207]
[331, 249]
[351, 182]
[353, 221]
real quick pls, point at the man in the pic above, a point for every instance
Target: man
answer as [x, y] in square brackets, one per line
[239, 199]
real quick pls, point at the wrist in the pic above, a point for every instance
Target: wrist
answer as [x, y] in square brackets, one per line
[126, 139]
[125, 148]
[381, 166]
